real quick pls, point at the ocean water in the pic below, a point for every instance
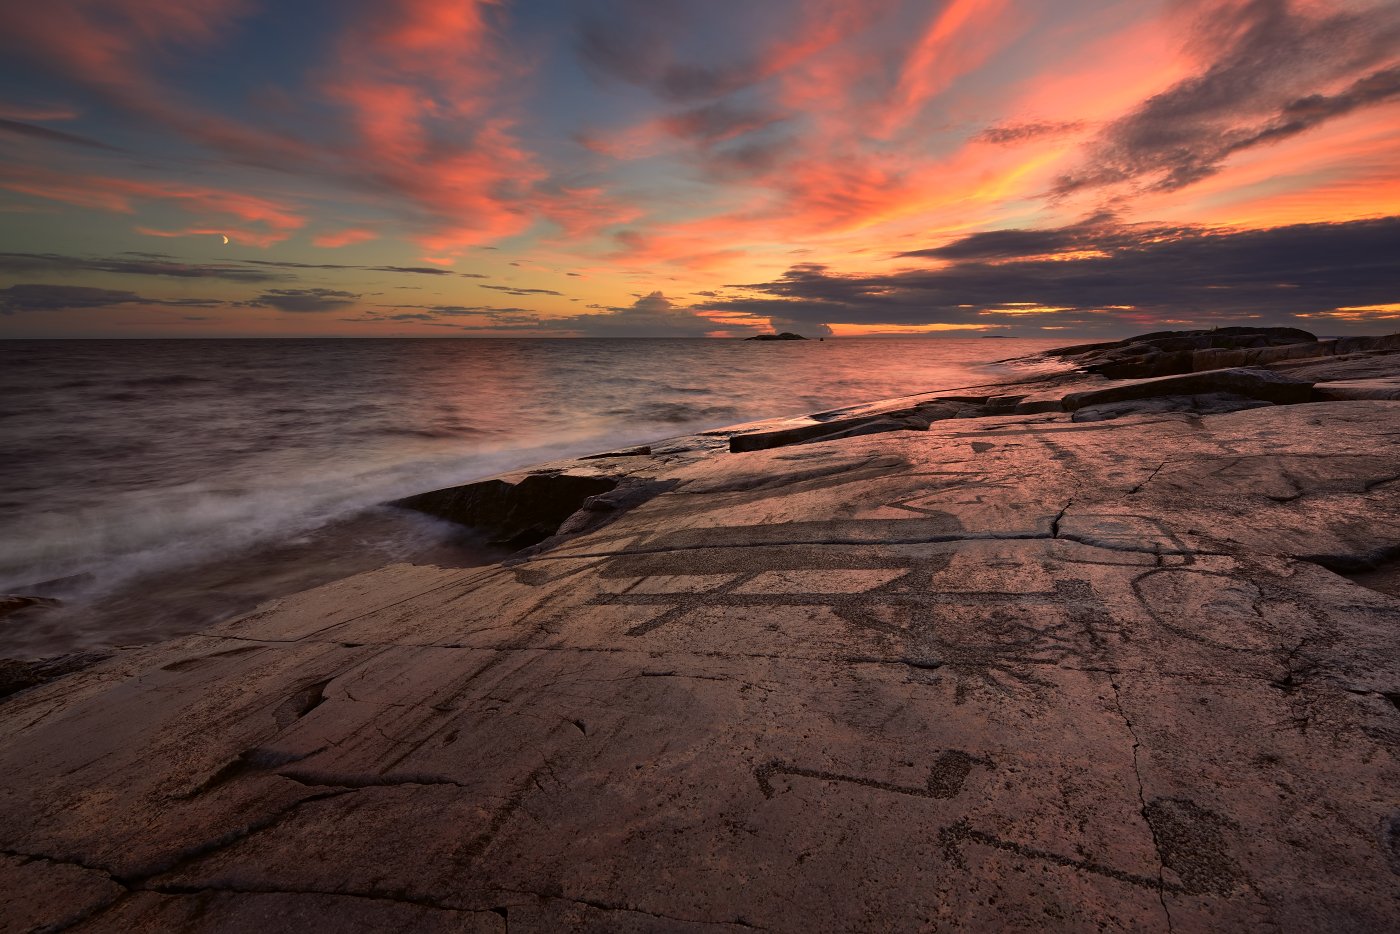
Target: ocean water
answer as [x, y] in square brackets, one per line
[157, 486]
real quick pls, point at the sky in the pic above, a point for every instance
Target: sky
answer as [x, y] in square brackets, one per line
[632, 168]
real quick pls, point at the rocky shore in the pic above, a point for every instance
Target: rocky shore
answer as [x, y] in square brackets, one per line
[1109, 649]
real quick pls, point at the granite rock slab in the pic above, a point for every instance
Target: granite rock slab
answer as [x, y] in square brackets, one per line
[1008, 673]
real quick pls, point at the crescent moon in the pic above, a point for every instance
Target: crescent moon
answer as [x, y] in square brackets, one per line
[225, 236]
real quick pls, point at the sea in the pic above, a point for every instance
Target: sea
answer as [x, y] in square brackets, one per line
[154, 487]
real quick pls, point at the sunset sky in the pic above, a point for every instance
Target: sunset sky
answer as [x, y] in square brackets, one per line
[667, 168]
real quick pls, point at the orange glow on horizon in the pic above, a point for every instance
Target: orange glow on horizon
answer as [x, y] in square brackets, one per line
[875, 330]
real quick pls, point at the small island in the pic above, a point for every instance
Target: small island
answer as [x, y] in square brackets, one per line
[785, 336]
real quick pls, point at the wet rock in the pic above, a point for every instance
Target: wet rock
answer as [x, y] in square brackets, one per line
[18, 674]
[641, 451]
[600, 509]
[515, 515]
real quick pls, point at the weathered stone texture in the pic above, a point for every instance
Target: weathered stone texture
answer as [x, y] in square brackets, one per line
[1008, 673]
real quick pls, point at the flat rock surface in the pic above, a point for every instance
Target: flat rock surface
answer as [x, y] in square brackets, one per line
[1387, 387]
[1011, 673]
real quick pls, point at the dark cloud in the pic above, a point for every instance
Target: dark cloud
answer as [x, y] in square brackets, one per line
[304, 300]
[1008, 134]
[747, 159]
[512, 290]
[154, 264]
[15, 128]
[714, 123]
[46, 297]
[425, 271]
[634, 46]
[490, 315]
[651, 315]
[36, 297]
[1097, 233]
[1275, 71]
[1124, 278]
[459, 310]
[477, 310]
[162, 264]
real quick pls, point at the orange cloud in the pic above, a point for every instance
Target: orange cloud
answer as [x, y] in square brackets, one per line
[839, 329]
[1101, 75]
[1347, 173]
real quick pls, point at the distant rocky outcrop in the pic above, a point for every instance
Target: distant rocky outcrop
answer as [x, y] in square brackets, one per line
[785, 336]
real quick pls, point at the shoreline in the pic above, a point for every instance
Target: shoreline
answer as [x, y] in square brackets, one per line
[1115, 651]
[103, 491]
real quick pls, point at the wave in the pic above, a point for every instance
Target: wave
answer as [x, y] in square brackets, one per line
[139, 533]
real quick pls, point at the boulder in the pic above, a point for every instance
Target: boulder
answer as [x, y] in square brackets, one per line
[1169, 353]
[514, 515]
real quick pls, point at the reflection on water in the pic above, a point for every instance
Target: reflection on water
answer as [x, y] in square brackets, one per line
[131, 460]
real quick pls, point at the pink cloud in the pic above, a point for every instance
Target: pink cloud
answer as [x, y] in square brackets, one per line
[123, 196]
[423, 89]
[36, 113]
[424, 86]
[243, 236]
[108, 46]
[958, 40]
